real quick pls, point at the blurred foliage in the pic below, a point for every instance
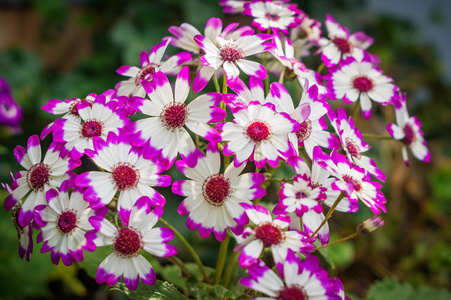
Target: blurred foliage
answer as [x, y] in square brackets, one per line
[414, 245]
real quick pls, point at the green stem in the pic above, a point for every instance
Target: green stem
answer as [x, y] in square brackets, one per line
[320, 68]
[349, 237]
[221, 259]
[174, 260]
[224, 84]
[329, 213]
[377, 137]
[230, 268]
[188, 247]
[356, 108]
[281, 76]
[215, 81]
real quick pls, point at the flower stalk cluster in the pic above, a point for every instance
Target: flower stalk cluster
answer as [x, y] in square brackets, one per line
[227, 141]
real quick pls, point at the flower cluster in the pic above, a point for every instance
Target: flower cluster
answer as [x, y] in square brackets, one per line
[227, 141]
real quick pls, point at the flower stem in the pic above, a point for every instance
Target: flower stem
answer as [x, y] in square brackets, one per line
[188, 247]
[221, 259]
[356, 108]
[224, 84]
[215, 81]
[349, 237]
[230, 268]
[329, 214]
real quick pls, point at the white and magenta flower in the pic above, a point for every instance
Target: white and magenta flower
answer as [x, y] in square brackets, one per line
[354, 80]
[24, 234]
[230, 54]
[164, 130]
[258, 132]
[136, 234]
[269, 233]
[305, 35]
[352, 180]
[10, 112]
[40, 176]
[408, 130]
[353, 144]
[125, 170]
[309, 115]
[301, 280]
[233, 6]
[64, 224]
[150, 64]
[213, 199]
[97, 120]
[272, 15]
[185, 33]
[342, 44]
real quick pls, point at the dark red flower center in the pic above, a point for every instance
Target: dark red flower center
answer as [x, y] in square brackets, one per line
[231, 52]
[258, 131]
[91, 128]
[216, 189]
[73, 109]
[38, 175]
[66, 221]
[125, 176]
[409, 138]
[355, 183]
[353, 148]
[300, 195]
[342, 44]
[149, 69]
[174, 115]
[294, 292]
[272, 17]
[305, 129]
[128, 242]
[363, 84]
[269, 234]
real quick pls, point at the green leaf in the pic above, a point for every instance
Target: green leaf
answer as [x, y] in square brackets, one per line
[161, 290]
[388, 289]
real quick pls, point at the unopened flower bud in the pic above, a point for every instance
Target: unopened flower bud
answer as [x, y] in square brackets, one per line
[370, 225]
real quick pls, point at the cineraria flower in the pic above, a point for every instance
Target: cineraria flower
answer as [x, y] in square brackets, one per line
[353, 80]
[164, 130]
[10, 112]
[309, 115]
[213, 199]
[97, 120]
[353, 144]
[352, 180]
[150, 64]
[272, 15]
[137, 234]
[39, 177]
[312, 219]
[341, 44]
[292, 67]
[124, 170]
[184, 34]
[25, 234]
[302, 280]
[258, 132]
[233, 6]
[270, 233]
[64, 224]
[408, 130]
[305, 35]
[230, 54]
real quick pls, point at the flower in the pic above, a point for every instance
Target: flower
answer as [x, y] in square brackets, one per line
[213, 199]
[360, 79]
[258, 132]
[269, 233]
[164, 130]
[408, 130]
[40, 176]
[10, 112]
[125, 170]
[150, 64]
[342, 44]
[353, 144]
[229, 54]
[137, 234]
[302, 280]
[352, 180]
[24, 234]
[274, 15]
[97, 120]
[64, 224]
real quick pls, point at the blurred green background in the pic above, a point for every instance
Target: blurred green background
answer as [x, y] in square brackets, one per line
[64, 49]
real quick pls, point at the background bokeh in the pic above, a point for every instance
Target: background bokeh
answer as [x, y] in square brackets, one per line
[65, 49]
